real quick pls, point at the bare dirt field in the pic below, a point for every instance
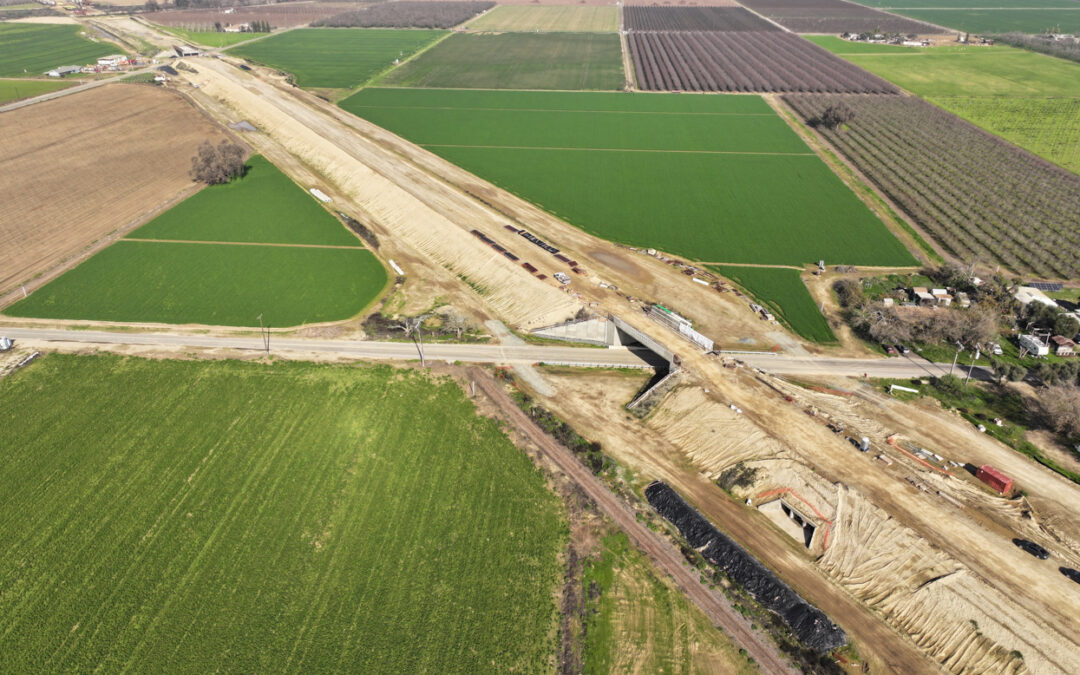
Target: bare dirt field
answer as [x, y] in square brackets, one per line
[76, 168]
[44, 19]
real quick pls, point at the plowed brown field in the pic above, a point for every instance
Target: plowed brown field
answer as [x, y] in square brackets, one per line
[76, 168]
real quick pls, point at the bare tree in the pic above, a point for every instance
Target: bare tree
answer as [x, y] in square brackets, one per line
[457, 323]
[213, 165]
[1058, 407]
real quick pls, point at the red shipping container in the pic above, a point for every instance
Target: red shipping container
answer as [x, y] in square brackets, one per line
[994, 478]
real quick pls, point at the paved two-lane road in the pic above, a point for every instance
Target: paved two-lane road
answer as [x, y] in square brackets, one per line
[898, 367]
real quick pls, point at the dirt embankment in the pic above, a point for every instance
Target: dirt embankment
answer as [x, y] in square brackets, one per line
[390, 194]
[74, 169]
[890, 543]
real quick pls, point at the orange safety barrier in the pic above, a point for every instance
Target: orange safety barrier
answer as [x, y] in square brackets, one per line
[920, 460]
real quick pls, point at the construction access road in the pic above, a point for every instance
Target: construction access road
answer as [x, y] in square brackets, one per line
[662, 552]
[613, 357]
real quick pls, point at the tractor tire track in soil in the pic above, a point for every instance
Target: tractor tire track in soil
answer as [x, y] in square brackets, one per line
[663, 554]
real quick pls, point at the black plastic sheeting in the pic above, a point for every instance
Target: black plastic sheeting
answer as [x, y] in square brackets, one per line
[807, 622]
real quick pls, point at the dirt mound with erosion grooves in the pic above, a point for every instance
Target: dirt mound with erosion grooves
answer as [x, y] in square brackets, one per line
[357, 167]
[915, 587]
[78, 167]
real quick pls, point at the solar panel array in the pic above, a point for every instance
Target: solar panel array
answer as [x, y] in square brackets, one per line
[1047, 286]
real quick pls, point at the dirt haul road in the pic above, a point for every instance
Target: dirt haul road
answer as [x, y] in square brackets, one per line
[663, 553]
[384, 188]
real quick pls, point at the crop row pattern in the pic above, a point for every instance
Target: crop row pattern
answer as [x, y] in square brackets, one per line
[759, 62]
[979, 196]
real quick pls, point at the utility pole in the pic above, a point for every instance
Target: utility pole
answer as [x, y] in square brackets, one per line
[972, 366]
[959, 348]
[264, 333]
[420, 337]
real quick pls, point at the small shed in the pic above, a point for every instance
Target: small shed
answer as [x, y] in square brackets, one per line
[1063, 346]
[64, 71]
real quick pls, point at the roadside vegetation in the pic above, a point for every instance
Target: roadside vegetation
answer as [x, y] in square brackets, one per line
[284, 513]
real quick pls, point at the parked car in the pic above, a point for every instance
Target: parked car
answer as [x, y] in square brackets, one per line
[890, 350]
[995, 349]
[903, 350]
[1032, 548]
[1071, 573]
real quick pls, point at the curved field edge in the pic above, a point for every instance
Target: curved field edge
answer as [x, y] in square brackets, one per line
[211, 284]
[183, 516]
[782, 290]
[263, 206]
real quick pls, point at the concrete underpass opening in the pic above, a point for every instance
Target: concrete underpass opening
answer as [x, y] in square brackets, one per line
[795, 523]
[611, 331]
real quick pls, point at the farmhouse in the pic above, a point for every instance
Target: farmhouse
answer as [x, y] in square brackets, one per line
[922, 296]
[114, 60]
[64, 71]
[1063, 346]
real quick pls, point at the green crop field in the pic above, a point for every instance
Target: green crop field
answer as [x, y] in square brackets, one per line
[13, 90]
[216, 284]
[187, 516]
[1030, 99]
[549, 18]
[989, 21]
[1049, 127]
[293, 262]
[336, 57]
[34, 48]
[212, 38]
[961, 70]
[784, 293]
[264, 206]
[714, 178]
[969, 4]
[590, 61]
